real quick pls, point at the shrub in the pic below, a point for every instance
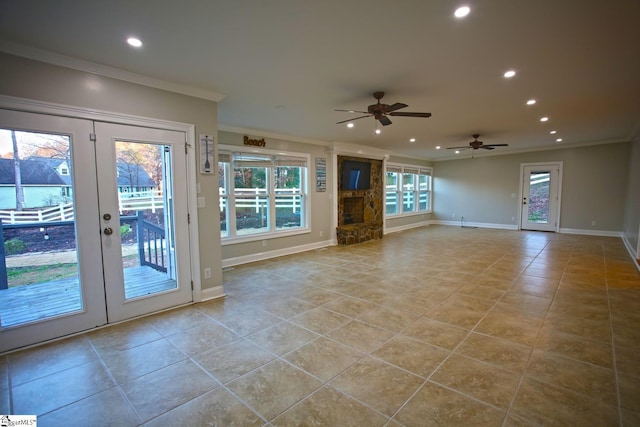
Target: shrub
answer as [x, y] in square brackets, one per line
[14, 246]
[124, 229]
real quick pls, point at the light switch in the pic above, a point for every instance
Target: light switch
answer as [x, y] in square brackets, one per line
[201, 202]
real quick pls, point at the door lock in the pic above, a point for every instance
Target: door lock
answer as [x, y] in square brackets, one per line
[106, 216]
[108, 231]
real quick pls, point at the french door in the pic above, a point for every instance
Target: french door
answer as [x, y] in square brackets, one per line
[540, 184]
[110, 201]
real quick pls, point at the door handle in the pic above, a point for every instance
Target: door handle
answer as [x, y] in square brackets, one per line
[108, 231]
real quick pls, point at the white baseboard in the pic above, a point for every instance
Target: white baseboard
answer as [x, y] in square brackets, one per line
[389, 230]
[632, 252]
[476, 224]
[211, 294]
[230, 262]
[586, 232]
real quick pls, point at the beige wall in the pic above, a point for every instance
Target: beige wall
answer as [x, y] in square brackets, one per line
[321, 203]
[25, 78]
[486, 189]
[632, 212]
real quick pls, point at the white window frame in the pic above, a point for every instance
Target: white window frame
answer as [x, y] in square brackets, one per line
[228, 153]
[417, 171]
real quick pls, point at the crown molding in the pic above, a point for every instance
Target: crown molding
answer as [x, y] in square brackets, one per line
[53, 58]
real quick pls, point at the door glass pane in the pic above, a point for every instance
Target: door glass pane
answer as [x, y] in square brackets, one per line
[39, 275]
[538, 211]
[223, 172]
[146, 218]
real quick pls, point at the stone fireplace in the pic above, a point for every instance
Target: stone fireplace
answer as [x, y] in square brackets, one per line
[360, 211]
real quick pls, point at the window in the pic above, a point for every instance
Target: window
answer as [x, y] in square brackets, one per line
[408, 190]
[261, 194]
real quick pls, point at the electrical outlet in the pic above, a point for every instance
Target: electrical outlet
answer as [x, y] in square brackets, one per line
[321, 233]
[593, 223]
[207, 273]
[513, 218]
[264, 243]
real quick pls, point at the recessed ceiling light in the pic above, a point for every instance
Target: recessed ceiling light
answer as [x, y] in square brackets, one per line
[531, 102]
[412, 140]
[544, 119]
[553, 132]
[510, 74]
[559, 140]
[378, 131]
[134, 41]
[462, 11]
[437, 147]
[281, 107]
[350, 125]
[457, 151]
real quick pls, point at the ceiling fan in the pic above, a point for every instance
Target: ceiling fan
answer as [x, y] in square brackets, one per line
[381, 111]
[475, 144]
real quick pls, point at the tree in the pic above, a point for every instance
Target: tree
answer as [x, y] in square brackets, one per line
[134, 156]
[17, 173]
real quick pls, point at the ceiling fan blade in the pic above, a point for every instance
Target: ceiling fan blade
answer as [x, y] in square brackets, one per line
[487, 147]
[458, 148]
[411, 114]
[497, 145]
[356, 118]
[384, 120]
[396, 106]
[353, 111]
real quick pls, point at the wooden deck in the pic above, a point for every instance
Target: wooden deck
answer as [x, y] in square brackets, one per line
[39, 301]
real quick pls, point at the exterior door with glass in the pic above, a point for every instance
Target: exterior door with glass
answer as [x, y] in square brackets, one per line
[144, 219]
[94, 224]
[540, 184]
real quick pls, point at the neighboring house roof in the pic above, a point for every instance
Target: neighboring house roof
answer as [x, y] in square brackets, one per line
[32, 172]
[43, 171]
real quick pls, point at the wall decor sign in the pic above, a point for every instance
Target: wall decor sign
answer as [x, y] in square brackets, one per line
[254, 142]
[206, 154]
[321, 174]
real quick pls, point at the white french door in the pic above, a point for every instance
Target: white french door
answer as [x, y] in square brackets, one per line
[540, 189]
[113, 212]
[136, 189]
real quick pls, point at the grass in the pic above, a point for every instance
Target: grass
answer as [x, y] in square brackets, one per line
[20, 276]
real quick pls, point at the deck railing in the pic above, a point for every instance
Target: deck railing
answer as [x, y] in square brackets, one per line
[151, 243]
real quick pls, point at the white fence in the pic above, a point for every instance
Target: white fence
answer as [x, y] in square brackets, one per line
[257, 199]
[126, 202]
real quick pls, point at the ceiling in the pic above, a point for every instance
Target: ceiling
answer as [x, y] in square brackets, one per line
[283, 66]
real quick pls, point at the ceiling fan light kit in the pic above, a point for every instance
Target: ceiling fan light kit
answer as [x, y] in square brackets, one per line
[381, 111]
[475, 145]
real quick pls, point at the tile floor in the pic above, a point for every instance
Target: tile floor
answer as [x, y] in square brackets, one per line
[434, 326]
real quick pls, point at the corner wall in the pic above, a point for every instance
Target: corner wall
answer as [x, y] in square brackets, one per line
[485, 190]
[631, 229]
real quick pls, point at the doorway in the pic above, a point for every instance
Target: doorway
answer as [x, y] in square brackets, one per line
[540, 187]
[111, 201]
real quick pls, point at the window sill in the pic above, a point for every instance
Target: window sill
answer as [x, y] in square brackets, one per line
[225, 241]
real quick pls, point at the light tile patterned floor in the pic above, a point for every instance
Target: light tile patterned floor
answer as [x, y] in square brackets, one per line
[434, 326]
